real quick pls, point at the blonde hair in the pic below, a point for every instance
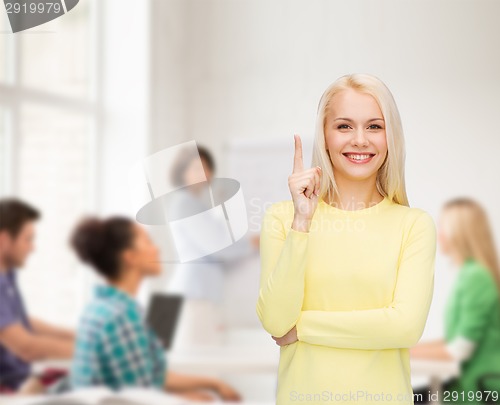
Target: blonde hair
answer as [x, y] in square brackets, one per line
[391, 176]
[467, 229]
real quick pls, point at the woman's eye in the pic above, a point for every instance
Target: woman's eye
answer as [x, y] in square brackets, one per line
[343, 126]
[375, 126]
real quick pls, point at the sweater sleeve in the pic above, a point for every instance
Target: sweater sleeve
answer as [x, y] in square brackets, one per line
[477, 303]
[461, 348]
[397, 325]
[283, 267]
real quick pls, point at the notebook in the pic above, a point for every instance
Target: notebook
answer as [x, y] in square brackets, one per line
[163, 315]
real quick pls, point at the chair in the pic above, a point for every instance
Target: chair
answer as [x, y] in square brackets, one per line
[484, 383]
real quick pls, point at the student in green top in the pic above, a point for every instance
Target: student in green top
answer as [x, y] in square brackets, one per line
[472, 312]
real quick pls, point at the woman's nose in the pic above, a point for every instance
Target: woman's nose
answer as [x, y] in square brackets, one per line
[360, 138]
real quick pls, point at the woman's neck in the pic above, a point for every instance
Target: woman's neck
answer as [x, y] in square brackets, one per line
[356, 195]
[458, 259]
[129, 282]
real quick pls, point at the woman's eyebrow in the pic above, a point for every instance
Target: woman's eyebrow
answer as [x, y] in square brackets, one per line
[348, 119]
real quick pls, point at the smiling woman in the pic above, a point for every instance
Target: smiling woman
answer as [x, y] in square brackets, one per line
[358, 116]
[355, 140]
[345, 303]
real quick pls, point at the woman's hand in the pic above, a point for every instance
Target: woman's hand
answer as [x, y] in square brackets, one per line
[289, 338]
[304, 186]
[255, 241]
[434, 349]
[196, 387]
[414, 351]
[226, 392]
[198, 396]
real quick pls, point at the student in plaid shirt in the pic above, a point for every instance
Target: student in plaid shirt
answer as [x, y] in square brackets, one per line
[112, 333]
[114, 346]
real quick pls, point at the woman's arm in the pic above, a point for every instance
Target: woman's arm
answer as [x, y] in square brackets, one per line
[42, 328]
[459, 349]
[188, 384]
[477, 302]
[283, 265]
[435, 350]
[398, 325]
[181, 382]
[478, 297]
[30, 347]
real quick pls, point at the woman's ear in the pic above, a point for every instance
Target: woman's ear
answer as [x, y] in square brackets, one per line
[127, 257]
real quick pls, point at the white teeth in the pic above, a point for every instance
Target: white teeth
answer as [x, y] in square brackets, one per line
[358, 157]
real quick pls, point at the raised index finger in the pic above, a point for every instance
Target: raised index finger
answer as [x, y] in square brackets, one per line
[298, 165]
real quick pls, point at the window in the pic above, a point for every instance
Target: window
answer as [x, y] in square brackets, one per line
[3, 154]
[48, 131]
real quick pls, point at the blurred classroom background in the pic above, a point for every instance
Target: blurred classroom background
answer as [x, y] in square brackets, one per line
[84, 97]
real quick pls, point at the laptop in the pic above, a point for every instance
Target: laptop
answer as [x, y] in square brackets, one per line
[163, 315]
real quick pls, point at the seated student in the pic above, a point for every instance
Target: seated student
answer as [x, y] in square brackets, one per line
[472, 311]
[114, 346]
[22, 339]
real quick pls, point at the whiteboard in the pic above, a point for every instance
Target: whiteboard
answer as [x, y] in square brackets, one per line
[262, 166]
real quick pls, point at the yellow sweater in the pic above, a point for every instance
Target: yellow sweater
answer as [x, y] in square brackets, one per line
[358, 287]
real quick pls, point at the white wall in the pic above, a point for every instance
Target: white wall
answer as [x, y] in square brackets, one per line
[124, 93]
[240, 70]
[248, 69]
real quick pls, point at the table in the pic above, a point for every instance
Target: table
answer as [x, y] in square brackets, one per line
[438, 371]
[257, 359]
[254, 359]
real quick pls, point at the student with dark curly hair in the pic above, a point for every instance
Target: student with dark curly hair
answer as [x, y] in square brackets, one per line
[114, 346]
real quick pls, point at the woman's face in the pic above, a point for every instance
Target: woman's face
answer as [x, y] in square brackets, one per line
[443, 241]
[197, 171]
[144, 253]
[355, 136]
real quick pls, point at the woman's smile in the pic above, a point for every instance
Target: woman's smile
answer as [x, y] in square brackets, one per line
[359, 158]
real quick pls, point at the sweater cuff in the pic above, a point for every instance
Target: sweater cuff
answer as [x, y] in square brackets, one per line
[299, 234]
[461, 348]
